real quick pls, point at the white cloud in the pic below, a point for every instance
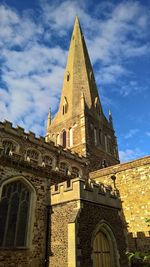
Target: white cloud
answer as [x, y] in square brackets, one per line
[148, 134]
[32, 71]
[130, 154]
[131, 133]
[111, 73]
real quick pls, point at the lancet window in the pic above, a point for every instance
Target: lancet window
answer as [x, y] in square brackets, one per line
[64, 139]
[65, 106]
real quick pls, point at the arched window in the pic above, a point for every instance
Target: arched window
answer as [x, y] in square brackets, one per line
[64, 137]
[9, 146]
[63, 167]
[32, 155]
[47, 160]
[65, 106]
[14, 214]
[104, 245]
[75, 172]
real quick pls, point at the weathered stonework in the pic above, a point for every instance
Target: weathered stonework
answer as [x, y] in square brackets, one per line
[69, 205]
[85, 205]
[133, 184]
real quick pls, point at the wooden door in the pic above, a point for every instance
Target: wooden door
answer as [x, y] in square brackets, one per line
[101, 251]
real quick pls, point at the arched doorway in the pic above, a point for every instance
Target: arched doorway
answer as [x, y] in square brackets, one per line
[105, 253]
[101, 251]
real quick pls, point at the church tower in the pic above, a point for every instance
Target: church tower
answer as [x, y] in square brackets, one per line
[80, 123]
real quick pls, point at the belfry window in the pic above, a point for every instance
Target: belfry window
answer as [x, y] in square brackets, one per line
[64, 137]
[14, 214]
[65, 106]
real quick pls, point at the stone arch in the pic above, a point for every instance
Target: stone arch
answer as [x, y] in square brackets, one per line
[10, 145]
[64, 166]
[48, 160]
[104, 232]
[76, 171]
[17, 185]
[32, 154]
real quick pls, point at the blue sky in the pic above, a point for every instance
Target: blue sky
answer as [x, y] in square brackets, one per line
[34, 41]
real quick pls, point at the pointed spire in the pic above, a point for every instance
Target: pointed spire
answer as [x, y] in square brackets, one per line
[78, 74]
[49, 118]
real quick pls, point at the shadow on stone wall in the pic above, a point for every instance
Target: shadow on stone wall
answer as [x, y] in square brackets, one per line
[138, 244]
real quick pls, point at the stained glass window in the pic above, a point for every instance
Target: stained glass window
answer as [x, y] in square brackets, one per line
[14, 211]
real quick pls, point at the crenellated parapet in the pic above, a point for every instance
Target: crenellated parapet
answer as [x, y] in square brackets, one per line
[79, 189]
[21, 146]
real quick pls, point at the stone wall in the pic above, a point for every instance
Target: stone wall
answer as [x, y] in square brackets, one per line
[34, 254]
[133, 183]
[90, 217]
[15, 165]
[85, 206]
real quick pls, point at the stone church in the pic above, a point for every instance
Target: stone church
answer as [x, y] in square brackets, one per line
[65, 200]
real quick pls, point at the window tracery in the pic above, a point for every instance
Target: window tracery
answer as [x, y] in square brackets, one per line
[75, 172]
[63, 167]
[14, 214]
[32, 154]
[9, 146]
[47, 160]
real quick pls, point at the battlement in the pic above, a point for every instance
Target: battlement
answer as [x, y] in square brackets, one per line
[80, 189]
[24, 142]
[20, 132]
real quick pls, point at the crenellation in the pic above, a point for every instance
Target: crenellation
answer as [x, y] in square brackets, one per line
[25, 142]
[78, 188]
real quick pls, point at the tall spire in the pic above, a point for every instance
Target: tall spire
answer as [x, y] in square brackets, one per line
[79, 75]
[80, 123]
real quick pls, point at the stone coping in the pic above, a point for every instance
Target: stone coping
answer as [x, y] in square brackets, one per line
[120, 167]
[80, 189]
